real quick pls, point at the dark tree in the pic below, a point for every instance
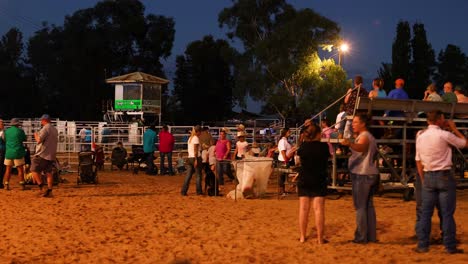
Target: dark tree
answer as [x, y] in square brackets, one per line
[452, 66]
[401, 52]
[204, 81]
[72, 62]
[278, 44]
[422, 65]
[16, 89]
[385, 72]
[182, 80]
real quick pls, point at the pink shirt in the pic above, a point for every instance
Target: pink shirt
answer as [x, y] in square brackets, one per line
[221, 148]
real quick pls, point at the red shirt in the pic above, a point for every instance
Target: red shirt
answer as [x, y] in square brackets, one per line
[166, 142]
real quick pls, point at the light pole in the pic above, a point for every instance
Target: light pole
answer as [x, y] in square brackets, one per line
[342, 49]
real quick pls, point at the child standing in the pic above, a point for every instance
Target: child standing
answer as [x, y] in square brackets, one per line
[241, 147]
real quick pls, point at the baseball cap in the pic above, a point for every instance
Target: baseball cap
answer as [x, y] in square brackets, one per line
[45, 116]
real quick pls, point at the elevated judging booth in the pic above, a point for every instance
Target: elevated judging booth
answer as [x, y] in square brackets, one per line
[137, 94]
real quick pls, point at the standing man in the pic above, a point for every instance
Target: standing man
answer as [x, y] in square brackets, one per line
[166, 146]
[14, 153]
[2, 152]
[434, 164]
[46, 154]
[364, 178]
[149, 147]
[449, 96]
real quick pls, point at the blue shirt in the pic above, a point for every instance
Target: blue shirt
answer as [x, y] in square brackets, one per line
[381, 94]
[87, 136]
[149, 140]
[396, 94]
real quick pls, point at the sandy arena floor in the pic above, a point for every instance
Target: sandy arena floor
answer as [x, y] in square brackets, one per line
[130, 218]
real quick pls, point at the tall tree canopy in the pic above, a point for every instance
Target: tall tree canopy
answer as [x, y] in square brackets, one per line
[204, 81]
[70, 63]
[452, 67]
[278, 44]
[413, 60]
[16, 88]
[422, 65]
[385, 72]
[401, 51]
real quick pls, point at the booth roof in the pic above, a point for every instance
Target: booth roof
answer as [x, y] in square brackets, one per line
[137, 77]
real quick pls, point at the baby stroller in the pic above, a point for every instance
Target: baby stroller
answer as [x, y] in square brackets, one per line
[87, 170]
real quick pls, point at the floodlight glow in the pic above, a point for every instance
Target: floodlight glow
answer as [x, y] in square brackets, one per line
[344, 47]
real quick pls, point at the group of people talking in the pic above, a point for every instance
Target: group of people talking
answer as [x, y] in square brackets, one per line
[433, 159]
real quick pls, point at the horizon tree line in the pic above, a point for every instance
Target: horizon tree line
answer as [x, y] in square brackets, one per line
[61, 70]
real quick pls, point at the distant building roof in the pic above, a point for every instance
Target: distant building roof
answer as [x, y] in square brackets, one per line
[137, 77]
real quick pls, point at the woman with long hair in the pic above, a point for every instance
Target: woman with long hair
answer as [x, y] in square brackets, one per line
[377, 89]
[312, 181]
[194, 162]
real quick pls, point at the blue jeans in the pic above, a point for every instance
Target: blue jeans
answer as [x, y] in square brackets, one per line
[198, 174]
[223, 166]
[162, 155]
[418, 198]
[363, 189]
[438, 186]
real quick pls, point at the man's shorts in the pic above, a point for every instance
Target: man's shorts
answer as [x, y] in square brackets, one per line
[15, 162]
[39, 165]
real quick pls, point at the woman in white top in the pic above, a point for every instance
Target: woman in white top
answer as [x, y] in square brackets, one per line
[194, 162]
[431, 94]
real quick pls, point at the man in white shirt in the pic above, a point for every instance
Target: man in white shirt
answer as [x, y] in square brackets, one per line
[434, 164]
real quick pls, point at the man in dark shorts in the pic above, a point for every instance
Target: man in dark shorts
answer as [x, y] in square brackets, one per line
[45, 155]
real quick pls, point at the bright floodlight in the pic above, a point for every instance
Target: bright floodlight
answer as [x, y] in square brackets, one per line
[344, 47]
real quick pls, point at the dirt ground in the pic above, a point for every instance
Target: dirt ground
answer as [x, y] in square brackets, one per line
[129, 218]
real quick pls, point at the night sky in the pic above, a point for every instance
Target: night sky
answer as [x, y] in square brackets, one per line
[368, 25]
